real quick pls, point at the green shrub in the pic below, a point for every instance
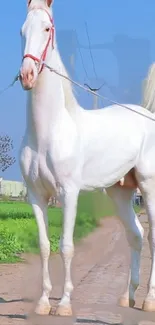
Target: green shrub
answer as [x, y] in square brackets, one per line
[10, 247]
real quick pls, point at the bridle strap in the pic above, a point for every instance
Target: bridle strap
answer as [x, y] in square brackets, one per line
[51, 38]
[31, 57]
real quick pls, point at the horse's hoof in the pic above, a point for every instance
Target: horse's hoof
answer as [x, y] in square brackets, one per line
[63, 310]
[149, 305]
[124, 302]
[42, 309]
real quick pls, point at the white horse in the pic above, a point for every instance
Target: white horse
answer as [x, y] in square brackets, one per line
[67, 149]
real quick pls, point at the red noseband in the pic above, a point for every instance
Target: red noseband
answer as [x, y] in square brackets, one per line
[51, 38]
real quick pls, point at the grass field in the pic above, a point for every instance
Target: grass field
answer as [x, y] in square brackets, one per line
[18, 230]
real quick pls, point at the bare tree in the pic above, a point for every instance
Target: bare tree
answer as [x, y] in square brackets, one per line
[6, 145]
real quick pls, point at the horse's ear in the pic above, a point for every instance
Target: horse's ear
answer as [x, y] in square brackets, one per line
[49, 2]
[29, 2]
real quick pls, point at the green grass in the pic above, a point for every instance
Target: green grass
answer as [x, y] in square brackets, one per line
[18, 230]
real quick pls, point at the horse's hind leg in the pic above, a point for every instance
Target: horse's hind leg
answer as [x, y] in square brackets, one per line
[122, 198]
[148, 191]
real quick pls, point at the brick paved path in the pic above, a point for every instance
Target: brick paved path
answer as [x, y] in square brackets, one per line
[100, 273]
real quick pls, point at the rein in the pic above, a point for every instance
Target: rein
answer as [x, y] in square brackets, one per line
[84, 88]
[97, 94]
[51, 38]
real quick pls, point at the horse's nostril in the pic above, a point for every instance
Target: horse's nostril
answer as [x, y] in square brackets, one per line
[21, 77]
[30, 75]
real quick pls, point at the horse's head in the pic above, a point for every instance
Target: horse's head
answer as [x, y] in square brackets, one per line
[38, 35]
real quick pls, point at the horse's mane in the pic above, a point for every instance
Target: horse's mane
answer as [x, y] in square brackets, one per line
[149, 90]
[70, 99]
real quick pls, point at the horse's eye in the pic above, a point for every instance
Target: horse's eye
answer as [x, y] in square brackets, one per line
[47, 29]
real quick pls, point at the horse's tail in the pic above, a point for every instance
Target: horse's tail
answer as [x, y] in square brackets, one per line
[149, 90]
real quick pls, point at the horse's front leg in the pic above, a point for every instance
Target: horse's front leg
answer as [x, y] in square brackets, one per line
[39, 206]
[69, 198]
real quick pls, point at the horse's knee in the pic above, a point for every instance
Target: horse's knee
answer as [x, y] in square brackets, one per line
[67, 250]
[135, 238]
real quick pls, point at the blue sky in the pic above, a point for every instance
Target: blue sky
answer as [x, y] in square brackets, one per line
[123, 37]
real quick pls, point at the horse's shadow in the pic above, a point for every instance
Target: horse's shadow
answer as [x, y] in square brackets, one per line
[4, 301]
[13, 316]
[77, 321]
[91, 321]
[25, 317]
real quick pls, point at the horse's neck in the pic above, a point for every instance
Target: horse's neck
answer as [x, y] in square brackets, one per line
[46, 102]
[51, 98]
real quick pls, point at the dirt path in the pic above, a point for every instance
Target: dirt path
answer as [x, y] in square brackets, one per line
[100, 273]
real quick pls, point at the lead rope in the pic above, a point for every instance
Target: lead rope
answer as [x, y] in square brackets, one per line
[82, 87]
[10, 85]
[96, 93]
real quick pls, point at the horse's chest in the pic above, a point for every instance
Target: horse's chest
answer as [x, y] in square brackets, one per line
[46, 169]
[35, 169]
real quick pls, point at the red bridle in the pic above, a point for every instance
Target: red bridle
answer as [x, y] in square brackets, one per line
[51, 38]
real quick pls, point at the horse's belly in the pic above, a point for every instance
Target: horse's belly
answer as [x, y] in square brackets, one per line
[104, 178]
[107, 166]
